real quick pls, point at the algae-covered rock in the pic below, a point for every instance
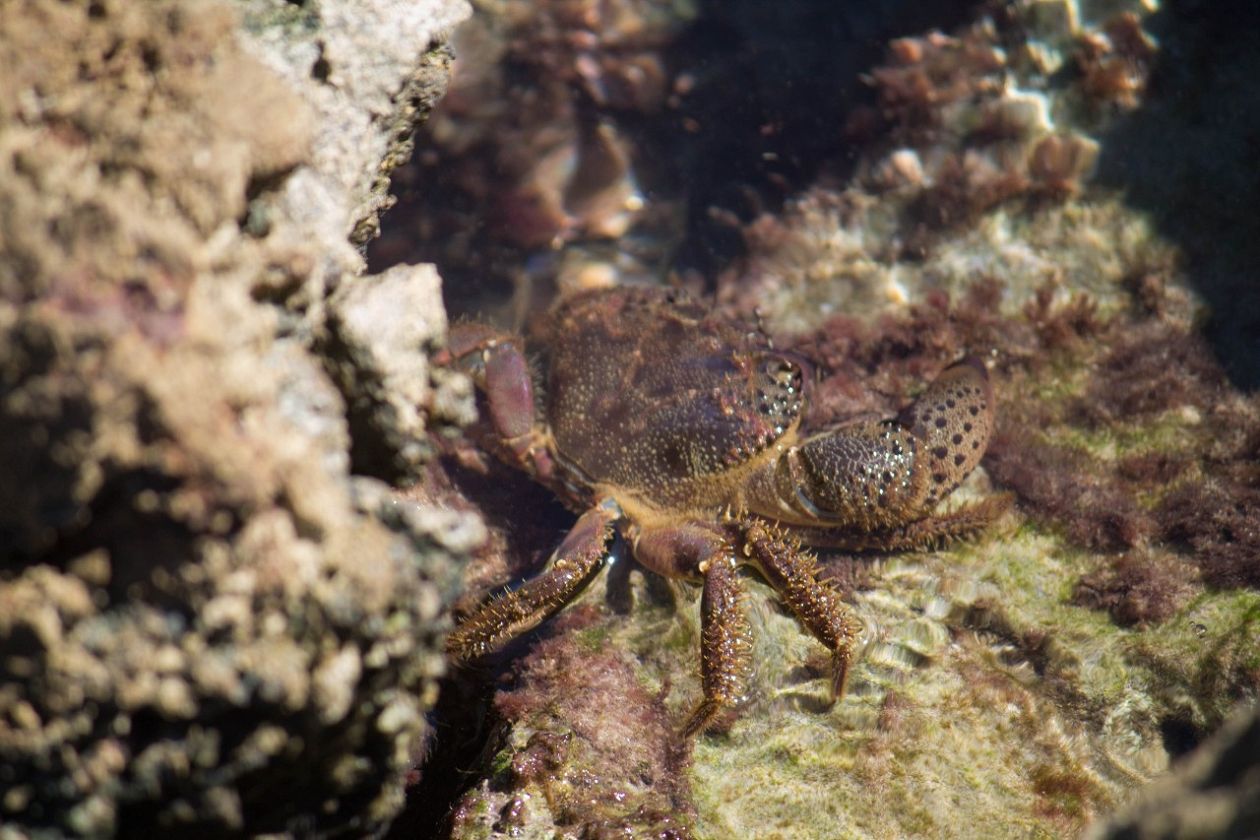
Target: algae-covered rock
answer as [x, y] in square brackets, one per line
[206, 625]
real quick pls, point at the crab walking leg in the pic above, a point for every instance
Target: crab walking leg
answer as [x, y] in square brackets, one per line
[794, 575]
[725, 644]
[573, 565]
[928, 533]
[725, 634]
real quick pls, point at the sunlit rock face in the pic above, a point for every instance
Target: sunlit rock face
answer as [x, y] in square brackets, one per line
[206, 624]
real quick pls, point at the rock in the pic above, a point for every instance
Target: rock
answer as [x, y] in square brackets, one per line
[382, 329]
[205, 624]
[1214, 792]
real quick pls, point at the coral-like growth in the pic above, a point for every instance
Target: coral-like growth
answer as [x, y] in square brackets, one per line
[964, 152]
[948, 99]
[924, 75]
[1114, 63]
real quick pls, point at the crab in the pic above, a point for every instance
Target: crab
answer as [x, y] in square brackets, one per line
[652, 417]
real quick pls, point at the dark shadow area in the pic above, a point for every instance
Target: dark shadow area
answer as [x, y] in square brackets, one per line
[768, 92]
[532, 523]
[1180, 736]
[463, 743]
[1190, 156]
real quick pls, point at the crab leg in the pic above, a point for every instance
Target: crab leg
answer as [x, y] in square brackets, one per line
[725, 644]
[931, 532]
[794, 575]
[573, 565]
[725, 634]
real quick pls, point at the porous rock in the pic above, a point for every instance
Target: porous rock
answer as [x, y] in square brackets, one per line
[205, 622]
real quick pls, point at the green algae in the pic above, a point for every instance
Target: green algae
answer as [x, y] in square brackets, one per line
[1174, 430]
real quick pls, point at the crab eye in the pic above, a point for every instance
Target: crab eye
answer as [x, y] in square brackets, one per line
[778, 391]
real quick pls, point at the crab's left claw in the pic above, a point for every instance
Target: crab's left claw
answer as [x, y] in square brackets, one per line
[954, 420]
[876, 484]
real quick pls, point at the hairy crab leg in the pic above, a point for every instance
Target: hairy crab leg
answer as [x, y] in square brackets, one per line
[794, 575]
[573, 565]
[928, 533]
[725, 636]
[725, 644]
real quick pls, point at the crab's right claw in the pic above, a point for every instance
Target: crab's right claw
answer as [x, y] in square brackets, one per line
[573, 565]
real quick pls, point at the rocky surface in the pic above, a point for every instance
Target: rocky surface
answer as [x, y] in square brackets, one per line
[206, 623]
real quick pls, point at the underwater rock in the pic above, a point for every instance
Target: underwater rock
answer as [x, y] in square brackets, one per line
[973, 156]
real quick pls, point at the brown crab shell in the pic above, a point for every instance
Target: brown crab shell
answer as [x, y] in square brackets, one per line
[647, 390]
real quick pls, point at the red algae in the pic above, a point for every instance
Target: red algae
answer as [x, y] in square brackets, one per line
[1139, 588]
[1173, 518]
[602, 752]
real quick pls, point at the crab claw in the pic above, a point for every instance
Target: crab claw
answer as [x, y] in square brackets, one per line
[954, 420]
[877, 475]
[497, 364]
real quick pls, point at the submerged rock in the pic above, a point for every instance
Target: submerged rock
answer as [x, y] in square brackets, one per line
[1214, 793]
